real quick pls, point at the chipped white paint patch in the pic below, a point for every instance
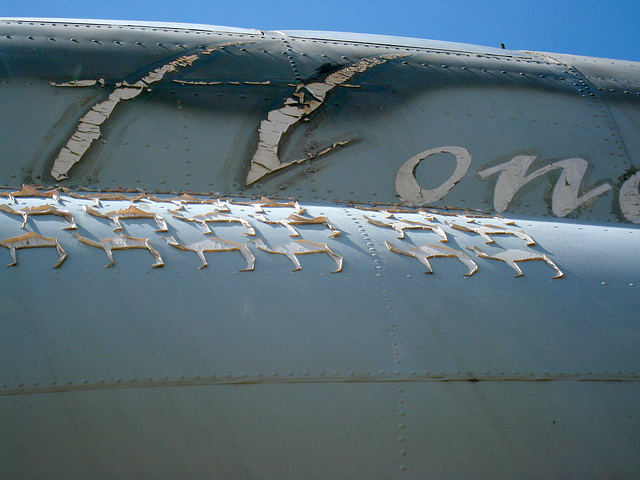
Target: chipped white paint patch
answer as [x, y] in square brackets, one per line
[41, 210]
[301, 247]
[216, 244]
[32, 240]
[304, 101]
[511, 256]
[630, 198]
[401, 225]
[214, 217]
[295, 219]
[78, 83]
[407, 186]
[427, 251]
[122, 242]
[485, 230]
[127, 214]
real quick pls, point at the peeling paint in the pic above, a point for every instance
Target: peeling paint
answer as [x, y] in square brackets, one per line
[214, 217]
[32, 240]
[630, 198]
[189, 82]
[215, 244]
[304, 101]
[41, 210]
[29, 191]
[301, 247]
[265, 202]
[401, 225]
[88, 129]
[128, 214]
[78, 83]
[294, 220]
[187, 199]
[107, 197]
[511, 256]
[565, 197]
[485, 230]
[407, 186]
[122, 242]
[427, 251]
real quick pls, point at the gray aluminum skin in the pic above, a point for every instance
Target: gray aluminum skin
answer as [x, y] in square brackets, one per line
[376, 371]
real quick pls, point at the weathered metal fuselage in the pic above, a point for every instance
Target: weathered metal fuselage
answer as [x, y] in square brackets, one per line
[328, 172]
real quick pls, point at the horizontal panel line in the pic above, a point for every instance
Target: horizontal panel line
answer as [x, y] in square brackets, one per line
[132, 384]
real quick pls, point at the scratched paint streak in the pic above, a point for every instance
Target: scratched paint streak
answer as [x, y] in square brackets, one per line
[304, 101]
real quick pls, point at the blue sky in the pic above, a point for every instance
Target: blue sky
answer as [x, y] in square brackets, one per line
[602, 28]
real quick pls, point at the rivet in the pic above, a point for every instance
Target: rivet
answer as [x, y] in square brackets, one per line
[52, 383]
[228, 375]
[101, 380]
[401, 439]
[351, 373]
[401, 413]
[164, 378]
[133, 379]
[403, 468]
[403, 453]
[289, 373]
[3, 385]
[117, 379]
[305, 373]
[180, 377]
[321, 373]
[34, 384]
[20, 384]
[195, 377]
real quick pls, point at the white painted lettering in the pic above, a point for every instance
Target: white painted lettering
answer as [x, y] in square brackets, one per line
[407, 186]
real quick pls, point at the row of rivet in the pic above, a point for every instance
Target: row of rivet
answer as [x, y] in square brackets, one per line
[335, 375]
[400, 400]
